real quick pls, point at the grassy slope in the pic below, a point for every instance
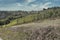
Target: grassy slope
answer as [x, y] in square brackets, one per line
[25, 19]
[46, 14]
[41, 15]
[31, 30]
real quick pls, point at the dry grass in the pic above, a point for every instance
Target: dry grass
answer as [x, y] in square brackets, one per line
[44, 23]
[45, 30]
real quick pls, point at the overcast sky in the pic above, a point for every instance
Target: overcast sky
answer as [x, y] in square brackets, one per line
[27, 5]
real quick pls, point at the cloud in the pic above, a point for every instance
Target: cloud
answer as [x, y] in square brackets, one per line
[40, 7]
[19, 4]
[30, 1]
[28, 5]
[34, 5]
[46, 5]
[37, 6]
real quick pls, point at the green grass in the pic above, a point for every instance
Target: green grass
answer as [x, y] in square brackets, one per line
[26, 19]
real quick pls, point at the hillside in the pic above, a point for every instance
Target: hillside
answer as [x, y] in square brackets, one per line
[21, 17]
[46, 30]
[34, 25]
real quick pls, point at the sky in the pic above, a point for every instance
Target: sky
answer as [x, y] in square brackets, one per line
[28, 5]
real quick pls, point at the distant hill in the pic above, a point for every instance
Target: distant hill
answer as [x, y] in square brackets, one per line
[5, 14]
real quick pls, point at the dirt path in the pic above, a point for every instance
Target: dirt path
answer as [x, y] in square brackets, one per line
[45, 23]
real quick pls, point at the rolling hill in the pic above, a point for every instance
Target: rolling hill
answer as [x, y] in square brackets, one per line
[34, 25]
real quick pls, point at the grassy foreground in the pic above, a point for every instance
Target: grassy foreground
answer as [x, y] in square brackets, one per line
[29, 33]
